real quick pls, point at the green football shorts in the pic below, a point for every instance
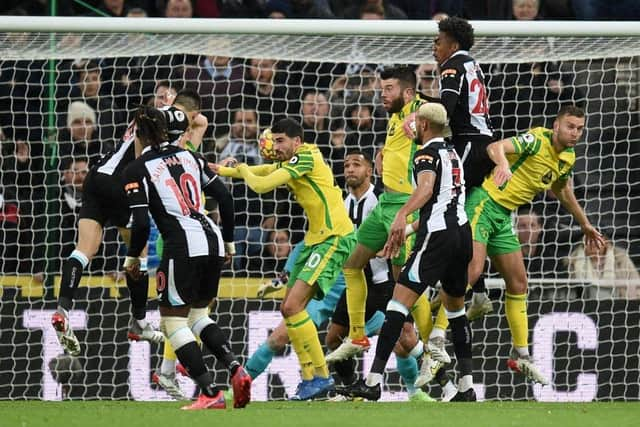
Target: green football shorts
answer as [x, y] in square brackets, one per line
[322, 263]
[374, 230]
[491, 223]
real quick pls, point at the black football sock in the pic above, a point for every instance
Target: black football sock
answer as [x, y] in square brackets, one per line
[213, 337]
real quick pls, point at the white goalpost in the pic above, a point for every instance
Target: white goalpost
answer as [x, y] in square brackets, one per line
[68, 87]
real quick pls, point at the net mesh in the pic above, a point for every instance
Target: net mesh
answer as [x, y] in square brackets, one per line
[59, 112]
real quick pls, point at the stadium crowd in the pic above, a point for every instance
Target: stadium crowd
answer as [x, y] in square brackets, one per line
[339, 108]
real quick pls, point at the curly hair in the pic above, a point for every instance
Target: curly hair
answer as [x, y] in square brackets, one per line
[459, 30]
[151, 126]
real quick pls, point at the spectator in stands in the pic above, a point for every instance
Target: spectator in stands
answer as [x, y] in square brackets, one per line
[541, 255]
[80, 137]
[242, 142]
[274, 256]
[374, 9]
[607, 272]
[9, 213]
[178, 9]
[361, 128]
[310, 9]
[110, 116]
[265, 91]
[427, 75]
[114, 8]
[254, 211]
[277, 9]
[22, 215]
[164, 94]
[526, 10]
[371, 11]
[218, 80]
[315, 121]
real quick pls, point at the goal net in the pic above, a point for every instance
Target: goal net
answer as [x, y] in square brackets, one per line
[67, 96]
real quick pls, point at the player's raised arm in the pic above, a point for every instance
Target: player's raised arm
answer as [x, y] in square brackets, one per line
[263, 184]
[233, 172]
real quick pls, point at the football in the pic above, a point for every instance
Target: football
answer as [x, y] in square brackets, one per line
[266, 145]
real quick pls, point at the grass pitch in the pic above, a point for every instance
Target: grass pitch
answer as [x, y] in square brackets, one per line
[322, 414]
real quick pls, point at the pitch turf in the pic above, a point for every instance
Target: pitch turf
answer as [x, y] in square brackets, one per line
[324, 414]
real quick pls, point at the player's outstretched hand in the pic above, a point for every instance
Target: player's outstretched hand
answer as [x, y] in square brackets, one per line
[593, 239]
[409, 126]
[501, 174]
[396, 237]
[132, 267]
[230, 162]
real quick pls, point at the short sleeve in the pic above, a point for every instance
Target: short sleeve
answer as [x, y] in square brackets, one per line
[527, 143]
[299, 165]
[566, 175]
[425, 161]
[450, 81]
[134, 185]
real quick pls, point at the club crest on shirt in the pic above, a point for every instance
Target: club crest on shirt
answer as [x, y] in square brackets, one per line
[547, 178]
[392, 130]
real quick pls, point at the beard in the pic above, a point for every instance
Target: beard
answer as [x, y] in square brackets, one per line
[396, 105]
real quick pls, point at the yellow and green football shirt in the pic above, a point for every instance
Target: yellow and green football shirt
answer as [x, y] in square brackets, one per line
[535, 167]
[398, 150]
[314, 189]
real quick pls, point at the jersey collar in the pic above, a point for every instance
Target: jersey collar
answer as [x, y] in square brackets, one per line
[366, 193]
[432, 140]
[457, 52]
[148, 148]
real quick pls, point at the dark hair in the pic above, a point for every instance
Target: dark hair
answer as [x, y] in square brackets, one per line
[289, 127]
[571, 110]
[375, 9]
[358, 152]
[167, 83]
[88, 67]
[405, 75]
[189, 99]
[459, 30]
[151, 126]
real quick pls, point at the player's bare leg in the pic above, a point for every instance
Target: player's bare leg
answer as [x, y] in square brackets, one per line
[89, 239]
[480, 303]
[511, 267]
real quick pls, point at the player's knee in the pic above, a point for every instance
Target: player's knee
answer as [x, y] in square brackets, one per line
[288, 308]
[198, 320]
[517, 286]
[408, 338]
[176, 330]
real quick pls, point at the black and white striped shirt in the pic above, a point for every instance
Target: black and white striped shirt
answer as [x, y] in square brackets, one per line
[115, 162]
[445, 208]
[377, 270]
[168, 182]
[464, 95]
